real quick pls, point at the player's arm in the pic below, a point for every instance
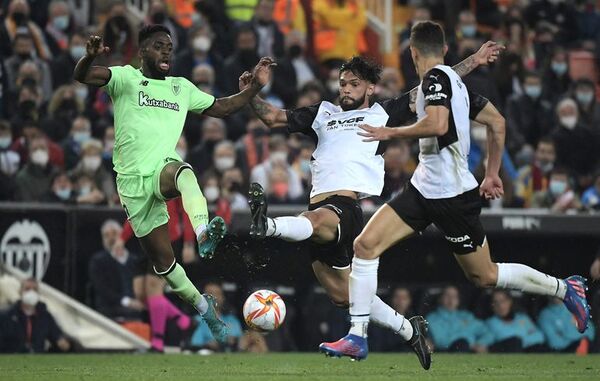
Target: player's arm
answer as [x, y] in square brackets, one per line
[84, 71]
[487, 53]
[272, 117]
[492, 187]
[227, 105]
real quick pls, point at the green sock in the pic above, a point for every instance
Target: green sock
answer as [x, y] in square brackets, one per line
[184, 288]
[194, 202]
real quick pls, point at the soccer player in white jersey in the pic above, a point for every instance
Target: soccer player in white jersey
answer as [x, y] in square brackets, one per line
[344, 169]
[442, 191]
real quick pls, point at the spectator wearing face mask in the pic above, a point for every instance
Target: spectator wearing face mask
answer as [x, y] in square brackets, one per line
[159, 14]
[9, 163]
[63, 64]
[243, 58]
[203, 76]
[33, 180]
[253, 147]
[18, 19]
[278, 157]
[87, 192]
[557, 80]
[200, 156]
[278, 191]
[584, 93]
[63, 108]
[559, 197]
[28, 325]
[61, 190]
[528, 115]
[302, 164]
[576, 146]
[90, 164]
[38, 70]
[591, 197]
[200, 49]
[29, 131]
[534, 178]
[59, 27]
[26, 105]
[210, 187]
[119, 35]
[81, 131]
[224, 157]
[233, 189]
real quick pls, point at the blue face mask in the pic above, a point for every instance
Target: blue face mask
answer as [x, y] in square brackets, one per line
[557, 187]
[533, 91]
[559, 68]
[584, 97]
[305, 166]
[81, 137]
[61, 22]
[468, 30]
[5, 142]
[77, 52]
[63, 194]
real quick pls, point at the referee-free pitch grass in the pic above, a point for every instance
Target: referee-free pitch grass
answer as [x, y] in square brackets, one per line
[296, 366]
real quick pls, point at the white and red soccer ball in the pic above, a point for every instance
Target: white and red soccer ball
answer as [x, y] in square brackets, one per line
[264, 311]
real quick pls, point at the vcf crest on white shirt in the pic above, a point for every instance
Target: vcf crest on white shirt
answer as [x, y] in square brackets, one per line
[25, 246]
[342, 161]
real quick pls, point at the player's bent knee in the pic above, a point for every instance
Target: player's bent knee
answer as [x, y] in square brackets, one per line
[342, 303]
[365, 247]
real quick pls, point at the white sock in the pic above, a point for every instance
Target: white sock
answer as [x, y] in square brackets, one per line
[363, 286]
[292, 229]
[202, 305]
[199, 230]
[520, 277]
[385, 316]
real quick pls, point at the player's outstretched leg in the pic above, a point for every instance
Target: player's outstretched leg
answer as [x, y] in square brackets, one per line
[484, 273]
[289, 228]
[418, 342]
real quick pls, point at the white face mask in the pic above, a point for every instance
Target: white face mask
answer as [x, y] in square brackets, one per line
[40, 157]
[224, 163]
[211, 193]
[568, 122]
[91, 163]
[30, 298]
[5, 142]
[278, 157]
[82, 92]
[202, 43]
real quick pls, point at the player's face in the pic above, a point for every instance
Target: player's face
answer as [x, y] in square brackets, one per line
[354, 92]
[157, 54]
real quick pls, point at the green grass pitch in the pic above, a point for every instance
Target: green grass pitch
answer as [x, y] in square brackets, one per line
[294, 366]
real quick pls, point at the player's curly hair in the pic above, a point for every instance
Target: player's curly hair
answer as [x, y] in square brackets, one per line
[363, 68]
[147, 31]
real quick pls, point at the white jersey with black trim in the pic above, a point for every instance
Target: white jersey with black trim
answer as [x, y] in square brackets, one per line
[342, 160]
[443, 170]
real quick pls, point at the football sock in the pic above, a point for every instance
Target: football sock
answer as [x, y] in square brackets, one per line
[290, 228]
[385, 316]
[520, 277]
[363, 286]
[183, 287]
[194, 202]
[183, 321]
[158, 320]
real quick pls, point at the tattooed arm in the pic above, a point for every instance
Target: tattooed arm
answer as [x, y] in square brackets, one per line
[272, 116]
[488, 53]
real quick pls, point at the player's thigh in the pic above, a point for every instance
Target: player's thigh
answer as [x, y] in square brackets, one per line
[334, 281]
[167, 178]
[157, 245]
[325, 224]
[383, 230]
[478, 266]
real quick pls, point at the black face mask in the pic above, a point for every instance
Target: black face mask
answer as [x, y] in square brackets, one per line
[295, 51]
[121, 23]
[259, 132]
[24, 56]
[159, 18]
[235, 187]
[248, 57]
[19, 18]
[26, 108]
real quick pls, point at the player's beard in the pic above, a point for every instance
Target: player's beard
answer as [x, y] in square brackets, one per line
[155, 70]
[354, 105]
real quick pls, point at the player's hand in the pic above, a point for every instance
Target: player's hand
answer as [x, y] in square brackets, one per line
[491, 188]
[245, 80]
[95, 47]
[373, 134]
[261, 74]
[188, 254]
[595, 269]
[488, 53]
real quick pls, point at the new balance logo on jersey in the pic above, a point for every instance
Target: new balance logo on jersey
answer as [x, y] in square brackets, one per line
[145, 100]
[332, 124]
[144, 83]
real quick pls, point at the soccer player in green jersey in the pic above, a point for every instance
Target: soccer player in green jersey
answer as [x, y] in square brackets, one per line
[150, 110]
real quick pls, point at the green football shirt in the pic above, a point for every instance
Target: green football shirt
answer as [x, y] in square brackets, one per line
[149, 115]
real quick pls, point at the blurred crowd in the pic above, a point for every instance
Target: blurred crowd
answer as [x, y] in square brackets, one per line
[56, 135]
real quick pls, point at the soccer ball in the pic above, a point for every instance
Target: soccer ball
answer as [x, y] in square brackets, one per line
[264, 311]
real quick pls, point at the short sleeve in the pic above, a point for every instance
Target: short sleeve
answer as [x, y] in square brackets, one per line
[436, 88]
[301, 119]
[398, 110]
[476, 104]
[115, 83]
[199, 100]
